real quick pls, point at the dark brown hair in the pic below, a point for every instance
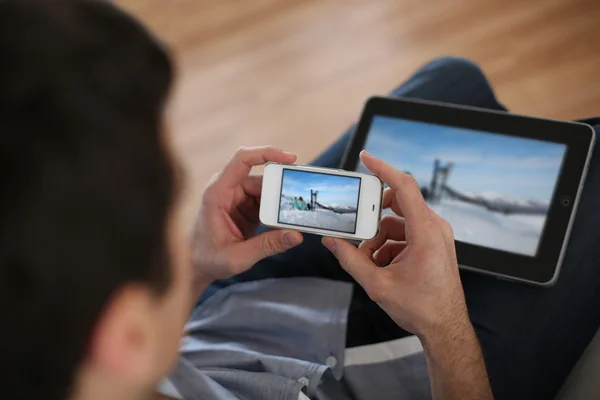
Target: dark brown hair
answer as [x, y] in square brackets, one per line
[86, 182]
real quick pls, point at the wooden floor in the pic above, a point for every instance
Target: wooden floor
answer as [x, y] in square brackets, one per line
[295, 73]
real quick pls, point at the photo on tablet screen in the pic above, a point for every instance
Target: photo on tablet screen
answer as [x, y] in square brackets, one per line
[316, 200]
[495, 190]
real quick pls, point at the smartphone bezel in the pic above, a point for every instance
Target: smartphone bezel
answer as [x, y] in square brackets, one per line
[369, 204]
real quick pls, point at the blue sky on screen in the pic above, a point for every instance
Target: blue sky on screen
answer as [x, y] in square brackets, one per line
[483, 162]
[332, 189]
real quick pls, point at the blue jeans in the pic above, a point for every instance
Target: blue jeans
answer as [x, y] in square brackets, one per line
[531, 337]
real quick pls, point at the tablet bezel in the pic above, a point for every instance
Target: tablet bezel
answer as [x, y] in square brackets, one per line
[579, 138]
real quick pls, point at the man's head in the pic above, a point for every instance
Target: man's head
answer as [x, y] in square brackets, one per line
[92, 279]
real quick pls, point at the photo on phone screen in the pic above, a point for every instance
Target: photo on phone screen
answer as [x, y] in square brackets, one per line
[495, 190]
[318, 200]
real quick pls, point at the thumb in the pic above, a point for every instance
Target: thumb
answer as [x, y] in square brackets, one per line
[355, 262]
[247, 253]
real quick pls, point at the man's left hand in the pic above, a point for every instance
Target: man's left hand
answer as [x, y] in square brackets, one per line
[223, 242]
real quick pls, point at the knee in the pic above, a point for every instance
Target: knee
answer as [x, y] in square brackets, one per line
[450, 80]
[455, 67]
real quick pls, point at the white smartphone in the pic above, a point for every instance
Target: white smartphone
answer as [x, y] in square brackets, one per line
[323, 201]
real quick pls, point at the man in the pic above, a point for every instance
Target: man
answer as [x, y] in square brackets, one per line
[299, 204]
[96, 281]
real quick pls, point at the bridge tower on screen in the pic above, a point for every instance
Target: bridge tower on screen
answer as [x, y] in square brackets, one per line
[313, 199]
[441, 173]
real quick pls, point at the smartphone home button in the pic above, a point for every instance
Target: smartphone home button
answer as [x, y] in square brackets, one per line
[565, 201]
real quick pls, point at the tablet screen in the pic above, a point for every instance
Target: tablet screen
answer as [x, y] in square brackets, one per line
[495, 190]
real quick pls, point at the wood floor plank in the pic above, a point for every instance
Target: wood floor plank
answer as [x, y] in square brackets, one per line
[296, 73]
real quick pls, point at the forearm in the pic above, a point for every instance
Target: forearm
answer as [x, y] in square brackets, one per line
[455, 363]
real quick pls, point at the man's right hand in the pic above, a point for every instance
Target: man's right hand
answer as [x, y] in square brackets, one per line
[410, 267]
[410, 270]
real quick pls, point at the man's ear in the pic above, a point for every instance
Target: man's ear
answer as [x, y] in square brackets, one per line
[123, 343]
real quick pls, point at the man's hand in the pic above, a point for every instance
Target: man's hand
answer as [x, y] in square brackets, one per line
[410, 270]
[410, 267]
[223, 243]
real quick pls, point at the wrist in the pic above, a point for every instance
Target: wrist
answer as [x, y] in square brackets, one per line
[447, 332]
[455, 361]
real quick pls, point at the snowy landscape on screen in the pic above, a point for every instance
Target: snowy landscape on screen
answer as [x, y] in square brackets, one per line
[319, 218]
[318, 200]
[495, 190]
[473, 224]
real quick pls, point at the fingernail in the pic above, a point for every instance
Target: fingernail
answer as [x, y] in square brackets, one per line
[288, 154]
[291, 239]
[365, 153]
[329, 243]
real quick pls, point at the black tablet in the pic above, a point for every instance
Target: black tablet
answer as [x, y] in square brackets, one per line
[508, 184]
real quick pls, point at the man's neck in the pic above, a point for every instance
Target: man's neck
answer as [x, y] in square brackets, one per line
[107, 393]
[96, 386]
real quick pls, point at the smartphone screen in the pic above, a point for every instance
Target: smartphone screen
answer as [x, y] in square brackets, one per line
[319, 200]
